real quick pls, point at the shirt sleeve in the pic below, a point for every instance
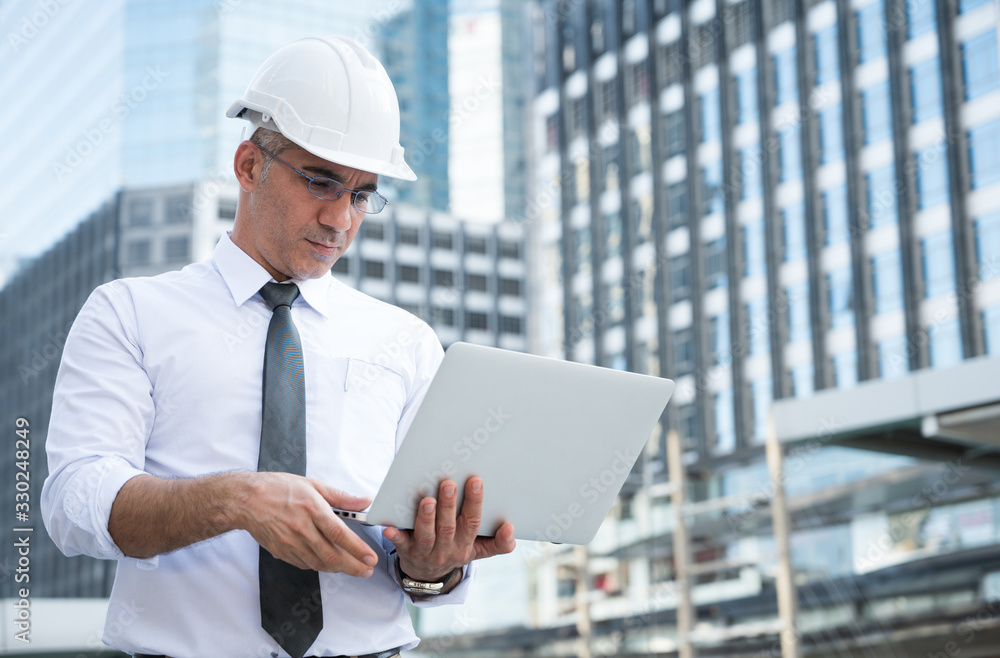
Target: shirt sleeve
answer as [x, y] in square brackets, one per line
[102, 413]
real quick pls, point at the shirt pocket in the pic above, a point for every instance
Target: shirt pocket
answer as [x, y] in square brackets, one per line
[373, 398]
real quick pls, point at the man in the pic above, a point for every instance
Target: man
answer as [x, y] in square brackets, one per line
[216, 505]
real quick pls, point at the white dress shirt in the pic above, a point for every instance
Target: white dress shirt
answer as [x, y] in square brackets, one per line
[162, 375]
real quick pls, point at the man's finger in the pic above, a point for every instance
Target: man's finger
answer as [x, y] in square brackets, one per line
[472, 509]
[425, 526]
[447, 511]
[342, 549]
[341, 499]
[501, 544]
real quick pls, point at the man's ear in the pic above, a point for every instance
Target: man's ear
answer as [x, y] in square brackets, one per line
[247, 165]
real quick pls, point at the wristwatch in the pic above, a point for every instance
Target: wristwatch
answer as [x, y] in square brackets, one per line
[420, 587]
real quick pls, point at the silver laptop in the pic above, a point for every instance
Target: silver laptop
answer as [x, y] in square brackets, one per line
[552, 440]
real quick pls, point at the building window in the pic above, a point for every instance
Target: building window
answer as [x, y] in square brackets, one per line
[920, 17]
[871, 32]
[839, 295]
[374, 230]
[612, 236]
[831, 135]
[742, 21]
[984, 154]
[754, 263]
[827, 62]
[677, 205]
[882, 192]
[177, 249]
[991, 330]
[444, 278]
[476, 282]
[791, 154]
[746, 95]
[509, 249]
[988, 246]
[510, 324]
[686, 421]
[798, 312]
[140, 212]
[409, 273]
[761, 391]
[510, 287]
[718, 340]
[671, 63]
[476, 320]
[725, 425]
[925, 90]
[932, 176]
[758, 325]
[892, 361]
[178, 209]
[683, 343]
[680, 278]
[715, 264]
[887, 281]
[374, 269]
[442, 240]
[875, 108]
[227, 209]
[674, 133]
[342, 265]
[475, 244]
[710, 122]
[793, 219]
[713, 199]
[802, 381]
[605, 100]
[945, 344]
[786, 89]
[779, 11]
[637, 82]
[750, 173]
[444, 317]
[835, 215]
[408, 235]
[138, 252]
[939, 264]
[845, 369]
[979, 65]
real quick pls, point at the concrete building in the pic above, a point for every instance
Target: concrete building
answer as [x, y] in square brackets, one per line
[787, 203]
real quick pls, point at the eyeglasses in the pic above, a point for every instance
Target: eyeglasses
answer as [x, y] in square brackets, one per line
[321, 187]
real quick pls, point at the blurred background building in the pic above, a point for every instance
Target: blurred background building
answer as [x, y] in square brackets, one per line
[788, 206]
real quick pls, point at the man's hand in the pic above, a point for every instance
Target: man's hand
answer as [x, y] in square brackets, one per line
[443, 540]
[290, 516]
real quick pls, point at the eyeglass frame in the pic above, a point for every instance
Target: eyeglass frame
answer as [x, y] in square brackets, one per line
[354, 193]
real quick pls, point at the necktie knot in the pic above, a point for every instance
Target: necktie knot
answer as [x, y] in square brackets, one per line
[279, 294]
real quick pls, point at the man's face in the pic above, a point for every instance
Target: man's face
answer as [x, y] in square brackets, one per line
[290, 232]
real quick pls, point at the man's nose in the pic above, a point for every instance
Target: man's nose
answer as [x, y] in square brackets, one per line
[340, 213]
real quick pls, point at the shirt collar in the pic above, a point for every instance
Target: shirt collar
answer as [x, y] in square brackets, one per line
[245, 277]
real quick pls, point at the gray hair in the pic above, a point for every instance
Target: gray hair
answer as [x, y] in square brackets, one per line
[274, 142]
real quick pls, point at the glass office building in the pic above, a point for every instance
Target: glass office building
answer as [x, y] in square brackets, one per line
[768, 201]
[133, 93]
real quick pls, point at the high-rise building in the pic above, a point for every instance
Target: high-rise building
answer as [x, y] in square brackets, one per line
[786, 204]
[415, 55]
[487, 114]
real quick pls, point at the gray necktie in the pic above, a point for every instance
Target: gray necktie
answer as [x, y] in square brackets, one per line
[291, 608]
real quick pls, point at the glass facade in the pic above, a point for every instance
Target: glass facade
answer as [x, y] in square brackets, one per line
[835, 261]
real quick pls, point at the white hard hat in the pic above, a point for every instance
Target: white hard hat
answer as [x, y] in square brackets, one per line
[334, 99]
